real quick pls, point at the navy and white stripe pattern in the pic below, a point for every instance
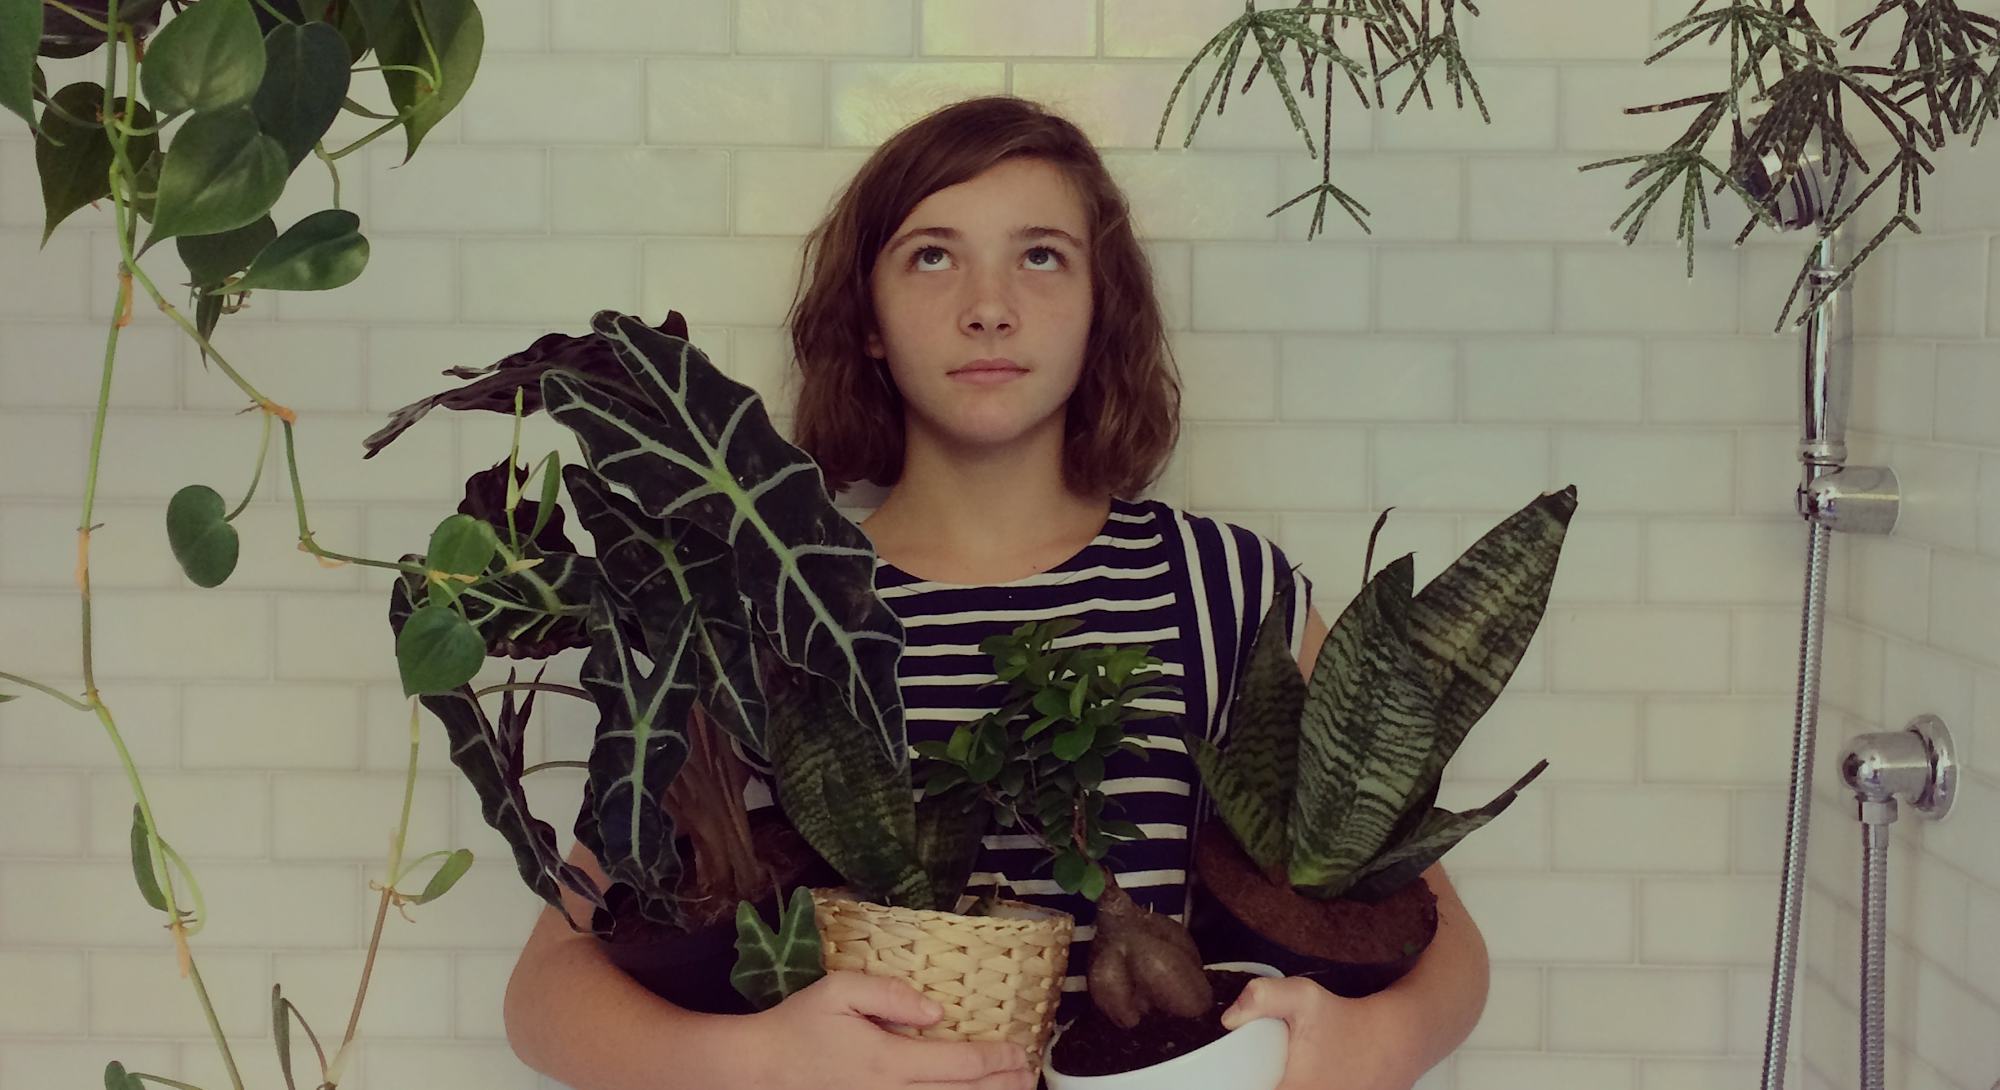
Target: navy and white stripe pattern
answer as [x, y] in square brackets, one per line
[1193, 589]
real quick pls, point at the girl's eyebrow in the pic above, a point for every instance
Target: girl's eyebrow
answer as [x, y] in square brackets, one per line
[952, 233]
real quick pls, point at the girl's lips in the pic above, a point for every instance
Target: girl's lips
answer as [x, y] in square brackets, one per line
[987, 376]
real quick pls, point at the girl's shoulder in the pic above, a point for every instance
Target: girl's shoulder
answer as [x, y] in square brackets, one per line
[1221, 552]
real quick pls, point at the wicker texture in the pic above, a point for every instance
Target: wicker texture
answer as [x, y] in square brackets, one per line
[998, 977]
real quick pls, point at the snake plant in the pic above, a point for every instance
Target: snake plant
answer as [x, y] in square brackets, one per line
[1330, 784]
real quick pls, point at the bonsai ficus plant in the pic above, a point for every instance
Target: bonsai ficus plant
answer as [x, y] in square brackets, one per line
[204, 111]
[1326, 790]
[728, 609]
[1038, 764]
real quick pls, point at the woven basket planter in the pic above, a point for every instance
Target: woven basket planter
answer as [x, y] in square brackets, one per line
[998, 977]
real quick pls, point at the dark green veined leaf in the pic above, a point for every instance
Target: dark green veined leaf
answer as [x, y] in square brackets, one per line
[1438, 833]
[305, 79]
[20, 33]
[456, 34]
[1472, 623]
[454, 867]
[437, 651]
[208, 57]
[773, 965]
[323, 251]
[489, 752]
[199, 533]
[1363, 737]
[211, 259]
[142, 863]
[850, 802]
[658, 567]
[1252, 781]
[701, 448]
[221, 172]
[640, 746]
[272, 14]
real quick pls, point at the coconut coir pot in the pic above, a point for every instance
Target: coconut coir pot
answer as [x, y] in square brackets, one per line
[1351, 948]
[691, 968]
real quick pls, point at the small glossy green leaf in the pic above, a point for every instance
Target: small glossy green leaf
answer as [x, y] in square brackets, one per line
[454, 868]
[200, 535]
[325, 250]
[1074, 743]
[20, 34]
[1093, 882]
[142, 863]
[208, 57]
[1070, 870]
[305, 80]
[211, 259]
[221, 172]
[437, 651]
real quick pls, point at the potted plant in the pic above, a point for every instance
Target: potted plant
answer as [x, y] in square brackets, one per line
[1038, 763]
[1325, 794]
[729, 610]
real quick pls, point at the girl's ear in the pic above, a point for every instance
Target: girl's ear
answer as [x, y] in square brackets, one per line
[873, 346]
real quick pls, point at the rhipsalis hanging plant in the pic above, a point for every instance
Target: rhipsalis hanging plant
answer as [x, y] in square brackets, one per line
[1941, 81]
[1395, 35]
[203, 111]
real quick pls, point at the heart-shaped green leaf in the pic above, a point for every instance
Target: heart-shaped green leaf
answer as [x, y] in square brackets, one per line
[200, 534]
[451, 31]
[222, 172]
[325, 250]
[437, 651]
[208, 57]
[211, 259]
[142, 863]
[74, 161]
[117, 1078]
[454, 868]
[20, 34]
[461, 545]
[305, 79]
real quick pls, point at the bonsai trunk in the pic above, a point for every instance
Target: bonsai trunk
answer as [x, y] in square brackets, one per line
[706, 802]
[1142, 962]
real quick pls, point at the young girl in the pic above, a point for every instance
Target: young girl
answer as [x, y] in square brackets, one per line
[978, 333]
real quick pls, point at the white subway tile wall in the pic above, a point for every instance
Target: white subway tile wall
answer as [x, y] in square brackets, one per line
[1488, 338]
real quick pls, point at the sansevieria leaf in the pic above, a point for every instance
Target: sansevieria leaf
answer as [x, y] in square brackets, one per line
[1253, 780]
[1437, 834]
[700, 448]
[771, 965]
[1363, 737]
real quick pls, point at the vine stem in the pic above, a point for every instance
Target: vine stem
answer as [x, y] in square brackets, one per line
[388, 887]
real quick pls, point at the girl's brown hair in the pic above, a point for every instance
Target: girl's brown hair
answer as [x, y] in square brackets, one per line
[1124, 416]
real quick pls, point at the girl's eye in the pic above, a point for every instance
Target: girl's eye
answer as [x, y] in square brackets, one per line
[1052, 258]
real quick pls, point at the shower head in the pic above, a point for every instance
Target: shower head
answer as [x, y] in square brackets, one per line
[1805, 198]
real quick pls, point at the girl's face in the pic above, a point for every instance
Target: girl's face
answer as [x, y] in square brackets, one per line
[983, 303]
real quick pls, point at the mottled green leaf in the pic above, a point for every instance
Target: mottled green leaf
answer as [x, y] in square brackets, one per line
[221, 172]
[305, 79]
[200, 535]
[773, 965]
[208, 57]
[1363, 737]
[323, 251]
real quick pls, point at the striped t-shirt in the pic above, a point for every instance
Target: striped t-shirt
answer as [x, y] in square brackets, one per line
[1192, 589]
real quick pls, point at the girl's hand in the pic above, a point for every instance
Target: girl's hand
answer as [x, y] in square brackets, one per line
[821, 1038]
[1336, 1043]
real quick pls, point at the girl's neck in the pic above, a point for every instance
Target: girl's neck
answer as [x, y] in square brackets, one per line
[983, 517]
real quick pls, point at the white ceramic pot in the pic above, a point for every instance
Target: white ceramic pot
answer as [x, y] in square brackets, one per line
[1249, 1057]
